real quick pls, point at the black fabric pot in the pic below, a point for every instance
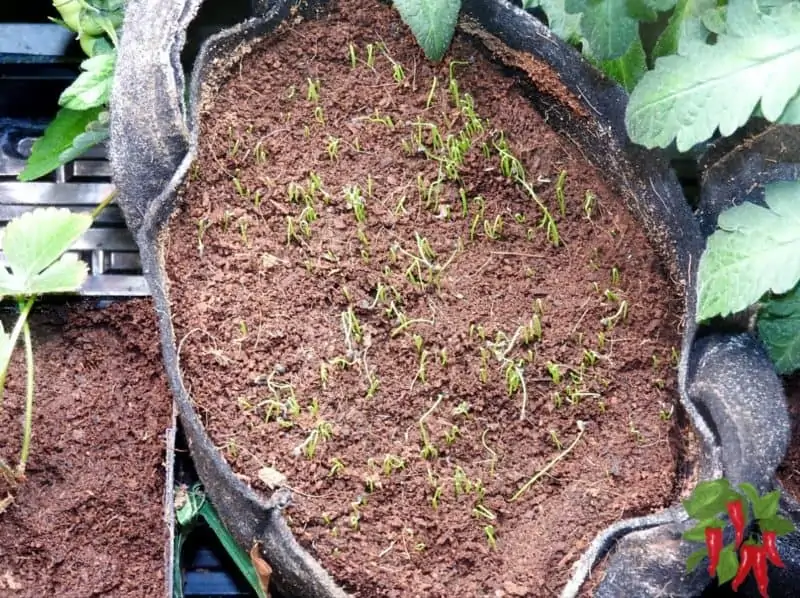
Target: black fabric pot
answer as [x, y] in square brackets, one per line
[727, 385]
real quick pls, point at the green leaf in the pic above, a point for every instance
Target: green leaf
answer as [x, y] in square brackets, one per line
[755, 251]
[57, 138]
[780, 525]
[34, 245]
[96, 132]
[751, 493]
[432, 22]
[92, 88]
[779, 330]
[708, 499]
[239, 556]
[698, 532]
[684, 29]
[715, 20]
[682, 98]
[767, 507]
[791, 114]
[628, 69]
[728, 564]
[608, 29]
[695, 559]
[565, 25]
[641, 11]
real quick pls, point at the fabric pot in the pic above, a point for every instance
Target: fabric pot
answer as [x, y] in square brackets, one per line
[727, 384]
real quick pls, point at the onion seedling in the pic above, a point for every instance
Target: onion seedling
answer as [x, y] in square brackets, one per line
[480, 511]
[560, 197]
[431, 93]
[371, 56]
[337, 467]
[355, 202]
[353, 55]
[203, 225]
[622, 313]
[491, 538]
[351, 328]
[392, 463]
[319, 115]
[493, 229]
[589, 202]
[428, 451]
[333, 148]
[312, 95]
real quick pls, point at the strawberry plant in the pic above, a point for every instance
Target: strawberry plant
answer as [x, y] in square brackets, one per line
[36, 263]
[82, 119]
[714, 500]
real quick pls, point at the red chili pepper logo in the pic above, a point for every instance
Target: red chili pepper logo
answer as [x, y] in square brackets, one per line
[736, 513]
[771, 548]
[714, 546]
[746, 559]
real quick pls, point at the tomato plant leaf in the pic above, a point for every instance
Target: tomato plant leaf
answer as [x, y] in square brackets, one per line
[57, 138]
[432, 22]
[92, 88]
[629, 68]
[738, 264]
[607, 28]
[34, 244]
[680, 99]
[684, 29]
[728, 564]
[779, 330]
[695, 559]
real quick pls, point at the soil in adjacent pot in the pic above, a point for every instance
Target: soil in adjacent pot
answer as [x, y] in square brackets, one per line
[393, 284]
[789, 471]
[88, 520]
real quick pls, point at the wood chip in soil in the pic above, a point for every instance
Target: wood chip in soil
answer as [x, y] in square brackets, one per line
[377, 359]
[89, 519]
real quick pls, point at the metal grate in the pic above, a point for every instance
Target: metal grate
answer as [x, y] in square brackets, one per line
[108, 247]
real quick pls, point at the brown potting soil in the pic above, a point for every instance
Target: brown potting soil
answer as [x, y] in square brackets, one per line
[389, 363]
[88, 520]
[789, 471]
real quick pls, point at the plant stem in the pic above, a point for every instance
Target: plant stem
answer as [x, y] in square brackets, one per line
[28, 425]
[549, 466]
[104, 204]
[12, 342]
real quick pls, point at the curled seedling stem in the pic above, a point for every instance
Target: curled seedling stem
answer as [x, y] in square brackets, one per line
[526, 486]
[428, 450]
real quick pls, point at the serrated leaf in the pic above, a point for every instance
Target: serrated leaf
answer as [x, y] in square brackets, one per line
[756, 250]
[33, 245]
[695, 559]
[629, 68]
[682, 98]
[92, 88]
[791, 114]
[432, 22]
[608, 29]
[685, 28]
[57, 138]
[779, 330]
[728, 564]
